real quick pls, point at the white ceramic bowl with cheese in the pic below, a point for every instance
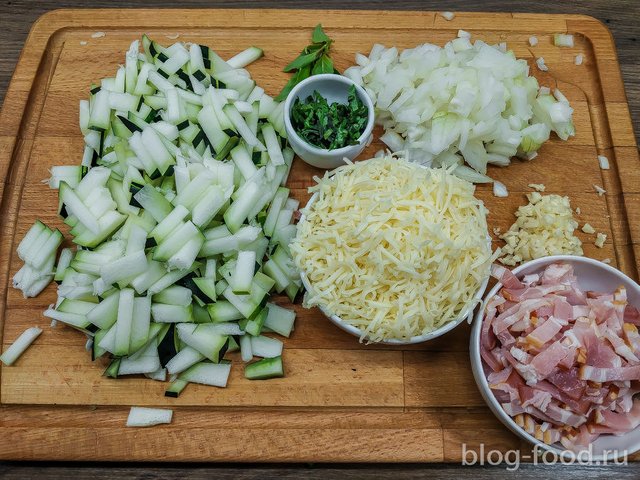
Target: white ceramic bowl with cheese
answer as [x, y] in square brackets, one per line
[466, 314]
[591, 275]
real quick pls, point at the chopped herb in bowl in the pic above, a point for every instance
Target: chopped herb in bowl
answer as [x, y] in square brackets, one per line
[329, 126]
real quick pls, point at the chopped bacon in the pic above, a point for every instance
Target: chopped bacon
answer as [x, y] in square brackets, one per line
[505, 277]
[517, 312]
[547, 360]
[631, 315]
[544, 332]
[563, 362]
[613, 374]
[632, 336]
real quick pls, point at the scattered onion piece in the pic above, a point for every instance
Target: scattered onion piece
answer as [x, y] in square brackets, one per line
[541, 65]
[448, 16]
[604, 162]
[563, 40]
[499, 189]
[579, 59]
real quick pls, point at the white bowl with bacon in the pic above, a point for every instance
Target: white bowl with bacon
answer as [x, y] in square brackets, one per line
[547, 347]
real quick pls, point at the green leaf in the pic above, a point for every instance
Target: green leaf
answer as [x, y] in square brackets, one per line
[314, 47]
[318, 35]
[301, 61]
[323, 65]
[300, 75]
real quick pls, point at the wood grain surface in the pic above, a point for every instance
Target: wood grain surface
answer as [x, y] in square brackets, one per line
[396, 397]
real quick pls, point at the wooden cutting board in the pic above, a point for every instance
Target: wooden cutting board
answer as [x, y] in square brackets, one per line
[341, 400]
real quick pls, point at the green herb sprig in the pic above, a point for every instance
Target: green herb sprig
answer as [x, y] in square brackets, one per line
[329, 126]
[313, 60]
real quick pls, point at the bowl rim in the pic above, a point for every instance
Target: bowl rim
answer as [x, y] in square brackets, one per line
[466, 314]
[476, 359]
[368, 129]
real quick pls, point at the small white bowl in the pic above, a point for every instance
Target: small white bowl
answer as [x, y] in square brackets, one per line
[334, 88]
[466, 314]
[591, 275]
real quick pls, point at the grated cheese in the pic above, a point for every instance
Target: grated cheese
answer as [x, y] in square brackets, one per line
[392, 248]
[543, 227]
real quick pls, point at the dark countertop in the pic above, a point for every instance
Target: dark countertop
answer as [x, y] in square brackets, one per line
[621, 16]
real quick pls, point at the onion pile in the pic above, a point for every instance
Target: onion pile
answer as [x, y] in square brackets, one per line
[464, 102]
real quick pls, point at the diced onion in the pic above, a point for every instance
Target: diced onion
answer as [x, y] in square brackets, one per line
[601, 191]
[465, 102]
[563, 40]
[448, 15]
[604, 162]
[541, 65]
[579, 59]
[533, 41]
[499, 189]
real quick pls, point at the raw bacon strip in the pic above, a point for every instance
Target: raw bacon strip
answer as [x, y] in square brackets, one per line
[632, 336]
[515, 313]
[595, 374]
[505, 277]
[620, 347]
[631, 315]
[564, 417]
[546, 361]
[544, 332]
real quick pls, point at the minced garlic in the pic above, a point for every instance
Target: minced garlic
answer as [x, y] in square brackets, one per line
[543, 227]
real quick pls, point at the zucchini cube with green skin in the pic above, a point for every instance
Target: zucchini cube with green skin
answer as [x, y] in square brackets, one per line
[264, 369]
[210, 344]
